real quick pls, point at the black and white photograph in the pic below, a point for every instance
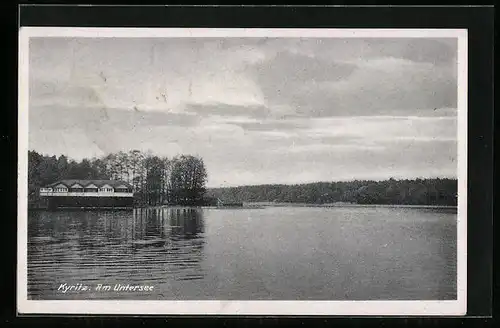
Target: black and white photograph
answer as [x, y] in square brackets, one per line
[242, 171]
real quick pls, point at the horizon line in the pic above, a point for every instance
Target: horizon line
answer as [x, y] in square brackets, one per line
[338, 181]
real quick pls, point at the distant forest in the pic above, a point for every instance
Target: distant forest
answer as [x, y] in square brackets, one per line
[182, 181]
[156, 180]
[404, 192]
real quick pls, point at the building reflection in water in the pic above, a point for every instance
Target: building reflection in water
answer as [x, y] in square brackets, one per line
[153, 244]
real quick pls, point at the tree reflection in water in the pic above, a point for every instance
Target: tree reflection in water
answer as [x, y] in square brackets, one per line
[153, 245]
[177, 233]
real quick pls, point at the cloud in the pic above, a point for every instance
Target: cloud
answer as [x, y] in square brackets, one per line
[287, 67]
[65, 117]
[435, 51]
[438, 51]
[363, 87]
[258, 110]
[221, 109]
[273, 125]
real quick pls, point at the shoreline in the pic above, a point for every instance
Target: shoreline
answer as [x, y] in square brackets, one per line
[265, 204]
[258, 205]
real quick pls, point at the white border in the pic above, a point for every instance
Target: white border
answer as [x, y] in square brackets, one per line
[398, 308]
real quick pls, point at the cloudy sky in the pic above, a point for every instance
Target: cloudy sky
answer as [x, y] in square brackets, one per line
[258, 110]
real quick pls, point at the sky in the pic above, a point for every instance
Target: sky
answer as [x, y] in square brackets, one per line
[257, 110]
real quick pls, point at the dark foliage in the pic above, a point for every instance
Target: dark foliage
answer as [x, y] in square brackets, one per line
[405, 192]
[155, 180]
[181, 181]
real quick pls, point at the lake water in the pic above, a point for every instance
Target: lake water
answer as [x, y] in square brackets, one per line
[282, 253]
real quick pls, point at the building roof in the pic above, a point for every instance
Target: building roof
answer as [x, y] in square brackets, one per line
[99, 183]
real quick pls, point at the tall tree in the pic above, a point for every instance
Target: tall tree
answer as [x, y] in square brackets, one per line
[154, 179]
[188, 180]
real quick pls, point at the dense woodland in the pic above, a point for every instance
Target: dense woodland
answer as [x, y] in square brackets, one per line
[182, 181]
[404, 192]
[156, 180]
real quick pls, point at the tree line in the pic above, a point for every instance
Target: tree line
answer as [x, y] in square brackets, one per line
[156, 180]
[404, 192]
[181, 180]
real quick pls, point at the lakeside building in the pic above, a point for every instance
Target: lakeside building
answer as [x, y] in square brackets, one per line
[88, 194]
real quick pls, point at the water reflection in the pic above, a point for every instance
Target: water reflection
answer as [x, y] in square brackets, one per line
[155, 244]
[246, 254]
[173, 223]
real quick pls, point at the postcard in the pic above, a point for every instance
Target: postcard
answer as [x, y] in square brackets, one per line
[242, 171]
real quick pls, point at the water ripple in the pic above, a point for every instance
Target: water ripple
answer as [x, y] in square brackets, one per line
[284, 253]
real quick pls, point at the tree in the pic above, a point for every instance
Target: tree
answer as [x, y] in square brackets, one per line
[392, 191]
[188, 180]
[182, 181]
[154, 179]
